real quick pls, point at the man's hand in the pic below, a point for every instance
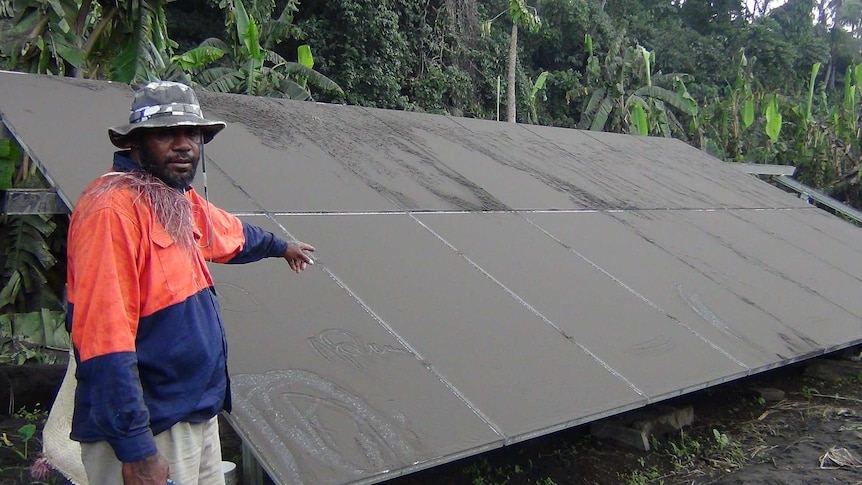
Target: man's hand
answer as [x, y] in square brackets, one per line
[152, 470]
[296, 257]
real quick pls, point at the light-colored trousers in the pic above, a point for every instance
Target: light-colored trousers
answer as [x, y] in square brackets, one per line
[193, 452]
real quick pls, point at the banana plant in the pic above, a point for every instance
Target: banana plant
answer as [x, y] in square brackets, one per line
[45, 37]
[817, 135]
[250, 67]
[843, 121]
[845, 116]
[32, 316]
[536, 88]
[773, 118]
[624, 96]
[723, 127]
[144, 36]
[120, 41]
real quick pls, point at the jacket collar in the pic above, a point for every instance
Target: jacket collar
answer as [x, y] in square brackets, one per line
[122, 163]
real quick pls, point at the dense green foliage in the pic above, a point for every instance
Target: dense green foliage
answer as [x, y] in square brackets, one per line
[32, 271]
[252, 66]
[734, 82]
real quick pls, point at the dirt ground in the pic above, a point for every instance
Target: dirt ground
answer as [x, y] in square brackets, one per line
[740, 435]
[801, 424]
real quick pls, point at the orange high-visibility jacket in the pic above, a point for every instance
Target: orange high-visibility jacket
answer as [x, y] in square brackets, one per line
[144, 317]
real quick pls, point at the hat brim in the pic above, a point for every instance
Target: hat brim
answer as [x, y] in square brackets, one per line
[121, 136]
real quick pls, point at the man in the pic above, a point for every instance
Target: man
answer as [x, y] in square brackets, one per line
[145, 323]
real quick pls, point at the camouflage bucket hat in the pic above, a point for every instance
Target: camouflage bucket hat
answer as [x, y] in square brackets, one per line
[164, 104]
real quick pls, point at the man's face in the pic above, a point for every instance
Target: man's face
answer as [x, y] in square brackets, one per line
[171, 154]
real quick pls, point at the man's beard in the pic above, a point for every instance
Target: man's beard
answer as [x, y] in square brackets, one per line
[177, 181]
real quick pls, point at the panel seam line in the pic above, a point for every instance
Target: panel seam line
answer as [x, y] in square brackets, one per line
[533, 310]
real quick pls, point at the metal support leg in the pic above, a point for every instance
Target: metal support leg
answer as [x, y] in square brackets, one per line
[252, 472]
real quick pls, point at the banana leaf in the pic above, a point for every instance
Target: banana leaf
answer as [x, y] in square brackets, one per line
[814, 69]
[292, 90]
[602, 114]
[313, 77]
[676, 100]
[197, 58]
[747, 113]
[304, 57]
[640, 125]
[247, 31]
[141, 54]
[849, 90]
[8, 161]
[10, 291]
[69, 51]
[273, 57]
[661, 120]
[773, 120]
[45, 327]
[593, 104]
[221, 79]
[540, 83]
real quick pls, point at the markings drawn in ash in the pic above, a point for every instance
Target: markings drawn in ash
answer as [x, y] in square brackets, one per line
[313, 426]
[235, 298]
[341, 344]
[696, 304]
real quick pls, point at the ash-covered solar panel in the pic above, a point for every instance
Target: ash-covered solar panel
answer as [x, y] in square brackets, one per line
[628, 334]
[63, 124]
[323, 391]
[399, 167]
[488, 343]
[661, 173]
[478, 283]
[273, 153]
[674, 286]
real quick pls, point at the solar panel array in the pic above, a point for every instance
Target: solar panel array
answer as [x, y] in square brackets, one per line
[478, 283]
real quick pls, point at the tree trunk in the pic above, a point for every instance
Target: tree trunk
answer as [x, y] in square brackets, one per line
[510, 79]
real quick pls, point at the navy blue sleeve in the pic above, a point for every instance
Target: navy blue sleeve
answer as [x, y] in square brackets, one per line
[109, 405]
[259, 244]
